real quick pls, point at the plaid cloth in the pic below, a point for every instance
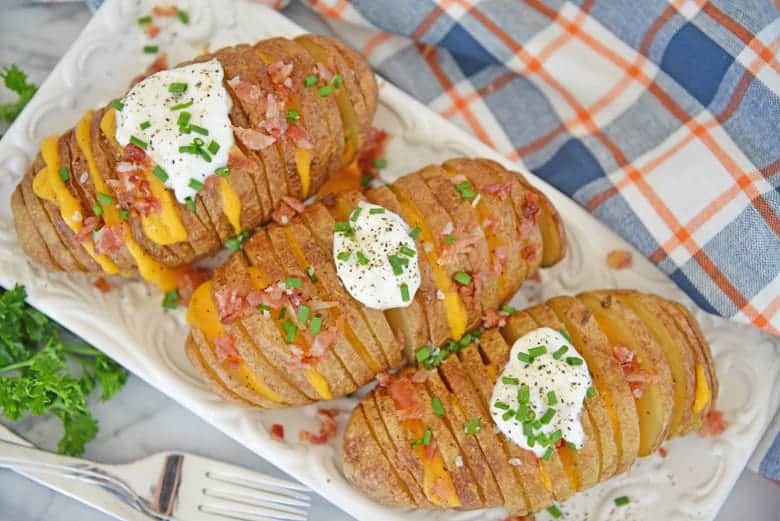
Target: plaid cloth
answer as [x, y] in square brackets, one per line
[662, 118]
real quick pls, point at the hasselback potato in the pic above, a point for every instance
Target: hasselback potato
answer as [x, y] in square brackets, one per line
[427, 438]
[295, 111]
[276, 326]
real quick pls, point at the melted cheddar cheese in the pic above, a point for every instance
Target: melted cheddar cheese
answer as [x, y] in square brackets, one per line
[303, 165]
[703, 394]
[437, 481]
[231, 204]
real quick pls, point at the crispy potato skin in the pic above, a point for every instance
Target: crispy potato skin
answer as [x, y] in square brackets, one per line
[368, 342]
[609, 333]
[260, 179]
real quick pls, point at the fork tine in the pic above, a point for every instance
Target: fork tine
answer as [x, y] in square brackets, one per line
[253, 500]
[259, 495]
[255, 481]
[227, 470]
[234, 510]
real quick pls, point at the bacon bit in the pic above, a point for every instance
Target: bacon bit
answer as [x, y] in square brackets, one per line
[472, 293]
[328, 428]
[170, 10]
[420, 376]
[87, 227]
[384, 379]
[488, 225]
[248, 93]
[275, 121]
[372, 149]
[152, 30]
[499, 259]
[529, 252]
[295, 204]
[253, 139]
[238, 160]
[714, 424]
[462, 246]
[279, 72]
[159, 64]
[133, 191]
[520, 518]
[500, 190]
[225, 350]
[277, 432]
[619, 259]
[189, 279]
[230, 303]
[323, 72]
[323, 340]
[102, 284]
[535, 277]
[663, 452]
[299, 136]
[458, 178]
[638, 381]
[109, 239]
[284, 213]
[524, 229]
[134, 153]
[493, 318]
[531, 208]
[407, 404]
[430, 450]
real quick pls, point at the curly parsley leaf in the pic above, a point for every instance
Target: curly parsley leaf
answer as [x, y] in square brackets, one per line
[16, 81]
[43, 372]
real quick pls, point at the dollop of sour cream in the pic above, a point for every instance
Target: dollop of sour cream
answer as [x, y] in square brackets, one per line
[375, 257]
[178, 108]
[538, 399]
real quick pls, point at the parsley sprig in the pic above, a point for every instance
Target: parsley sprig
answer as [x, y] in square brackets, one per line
[16, 81]
[44, 371]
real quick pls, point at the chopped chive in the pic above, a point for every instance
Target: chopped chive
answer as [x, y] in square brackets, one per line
[438, 408]
[203, 154]
[177, 87]
[160, 174]
[64, 174]
[118, 105]
[405, 292]
[560, 352]
[571, 446]
[507, 415]
[190, 202]
[183, 16]
[144, 125]
[202, 131]
[151, 49]
[565, 335]
[124, 214]
[591, 392]
[509, 310]
[143, 20]
[423, 354]
[622, 501]
[427, 437]
[184, 119]
[522, 412]
[396, 264]
[409, 252]
[281, 314]
[184, 105]
[222, 171]
[466, 190]
[290, 331]
[105, 198]
[195, 184]
[355, 214]
[97, 210]
[548, 454]
[343, 227]
[325, 91]
[450, 239]
[462, 278]
[263, 307]
[309, 271]
[472, 426]
[310, 80]
[343, 256]
[337, 80]
[524, 394]
[554, 511]
[547, 417]
[375, 211]
[537, 351]
[292, 116]
[366, 180]
[510, 380]
[293, 283]
[316, 325]
[523, 357]
[171, 299]
[138, 142]
[361, 258]
[415, 232]
[416, 442]
[574, 360]
[528, 429]
[379, 162]
[552, 399]
[233, 243]
[501, 405]
[465, 341]
[556, 436]
[303, 313]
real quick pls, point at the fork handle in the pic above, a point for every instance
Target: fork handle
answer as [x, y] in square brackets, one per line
[14, 455]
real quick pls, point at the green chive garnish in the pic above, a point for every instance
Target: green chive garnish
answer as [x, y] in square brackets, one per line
[64, 174]
[183, 16]
[144, 125]
[124, 214]
[316, 325]
[522, 412]
[118, 105]
[263, 307]
[560, 352]
[151, 49]
[375, 211]
[571, 446]
[177, 87]
[281, 314]
[537, 351]
[379, 162]
[190, 202]
[222, 171]
[405, 292]
[138, 142]
[325, 91]
[422, 354]
[523, 357]
[554, 511]
[293, 283]
[427, 437]
[343, 255]
[160, 174]
[409, 252]
[143, 20]
[507, 415]
[622, 501]
[565, 335]
[309, 271]
[501, 405]
[472, 426]
[524, 394]
[395, 263]
[462, 278]
[290, 331]
[361, 258]
[343, 227]
[591, 392]
[450, 239]
[303, 313]
[184, 105]
[415, 232]
[292, 116]
[548, 454]
[184, 119]
[552, 399]
[310, 80]
[528, 430]
[202, 131]
[105, 198]
[233, 244]
[556, 436]
[337, 80]
[171, 299]
[510, 380]
[574, 360]
[195, 184]
[547, 417]
[97, 209]
[355, 214]
[466, 190]
[509, 310]
[365, 181]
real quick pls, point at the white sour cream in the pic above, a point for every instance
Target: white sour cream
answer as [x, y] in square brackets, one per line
[564, 376]
[148, 115]
[365, 256]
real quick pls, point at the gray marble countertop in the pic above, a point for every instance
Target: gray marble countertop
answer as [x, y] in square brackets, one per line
[141, 420]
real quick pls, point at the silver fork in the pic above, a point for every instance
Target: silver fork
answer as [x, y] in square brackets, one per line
[173, 486]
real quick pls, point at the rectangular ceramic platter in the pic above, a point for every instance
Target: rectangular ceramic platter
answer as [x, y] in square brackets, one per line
[128, 323]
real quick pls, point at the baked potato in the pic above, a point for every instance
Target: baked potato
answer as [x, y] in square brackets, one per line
[455, 465]
[88, 205]
[253, 337]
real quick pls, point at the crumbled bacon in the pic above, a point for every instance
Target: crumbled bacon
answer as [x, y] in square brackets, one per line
[253, 139]
[714, 424]
[285, 212]
[430, 450]
[499, 259]
[165, 10]
[619, 259]
[384, 379]
[535, 277]
[420, 376]
[279, 72]
[372, 149]
[493, 318]
[323, 340]
[230, 303]
[277, 432]
[238, 160]
[328, 428]
[500, 190]
[407, 404]
[134, 153]
[529, 252]
[464, 242]
[472, 293]
[323, 72]
[89, 225]
[295, 204]
[636, 378]
[524, 229]
[102, 284]
[531, 209]
[249, 94]
[109, 239]
[275, 122]
[152, 30]
[663, 452]
[225, 350]
[159, 64]
[520, 518]
[299, 136]
[133, 191]
[189, 279]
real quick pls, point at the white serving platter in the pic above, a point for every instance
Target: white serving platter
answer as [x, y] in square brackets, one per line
[691, 483]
